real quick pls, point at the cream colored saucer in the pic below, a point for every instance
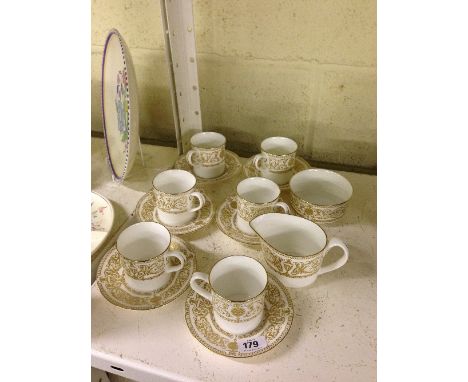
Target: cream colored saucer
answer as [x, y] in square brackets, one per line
[274, 327]
[233, 166]
[111, 282]
[226, 221]
[146, 206]
[250, 170]
[102, 219]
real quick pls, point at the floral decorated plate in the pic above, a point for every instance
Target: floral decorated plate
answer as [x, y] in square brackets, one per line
[145, 212]
[250, 170]
[102, 218]
[233, 166]
[111, 281]
[274, 327]
[119, 104]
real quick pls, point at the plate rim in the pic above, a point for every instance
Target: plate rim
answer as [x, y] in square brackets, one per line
[93, 252]
[124, 50]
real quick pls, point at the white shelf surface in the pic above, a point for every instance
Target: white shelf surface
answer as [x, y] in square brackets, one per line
[333, 335]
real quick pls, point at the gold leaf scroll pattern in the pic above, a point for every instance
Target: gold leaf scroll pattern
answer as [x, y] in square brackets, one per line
[172, 203]
[316, 212]
[289, 266]
[201, 312]
[238, 311]
[280, 163]
[208, 157]
[277, 313]
[144, 271]
[249, 211]
[113, 283]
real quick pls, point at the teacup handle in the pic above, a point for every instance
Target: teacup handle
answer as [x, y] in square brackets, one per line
[188, 156]
[256, 161]
[335, 242]
[284, 207]
[197, 288]
[201, 200]
[174, 268]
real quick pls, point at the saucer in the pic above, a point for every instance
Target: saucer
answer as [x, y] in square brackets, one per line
[250, 170]
[226, 221]
[146, 206]
[102, 219]
[233, 166]
[111, 281]
[274, 327]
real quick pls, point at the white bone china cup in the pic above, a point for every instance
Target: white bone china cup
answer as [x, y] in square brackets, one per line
[174, 193]
[144, 252]
[294, 248]
[277, 159]
[207, 154]
[256, 196]
[238, 287]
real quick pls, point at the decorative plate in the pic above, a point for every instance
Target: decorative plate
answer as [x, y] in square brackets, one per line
[146, 206]
[226, 221]
[233, 166]
[111, 281]
[250, 170]
[119, 102]
[274, 327]
[102, 219]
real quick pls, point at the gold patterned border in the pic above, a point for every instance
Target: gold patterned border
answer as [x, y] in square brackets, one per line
[250, 170]
[279, 163]
[225, 219]
[111, 281]
[147, 204]
[315, 212]
[208, 157]
[297, 267]
[233, 166]
[278, 319]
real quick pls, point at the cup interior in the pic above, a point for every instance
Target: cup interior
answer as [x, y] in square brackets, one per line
[278, 146]
[321, 187]
[208, 140]
[143, 241]
[174, 181]
[291, 235]
[238, 278]
[258, 190]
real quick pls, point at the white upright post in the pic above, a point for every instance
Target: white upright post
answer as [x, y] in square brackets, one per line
[177, 19]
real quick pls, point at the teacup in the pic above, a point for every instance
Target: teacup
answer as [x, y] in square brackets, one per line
[144, 252]
[174, 192]
[237, 294]
[277, 159]
[207, 154]
[320, 195]
[256, 196]
[294, 248]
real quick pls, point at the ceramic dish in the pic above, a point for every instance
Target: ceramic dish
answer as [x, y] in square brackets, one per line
[119, 102]
[274, 327]
[145, 212]
[250, 170]
[111, 281]
[320, 195]
[233, 166]
[226, 221]
[102, 219]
